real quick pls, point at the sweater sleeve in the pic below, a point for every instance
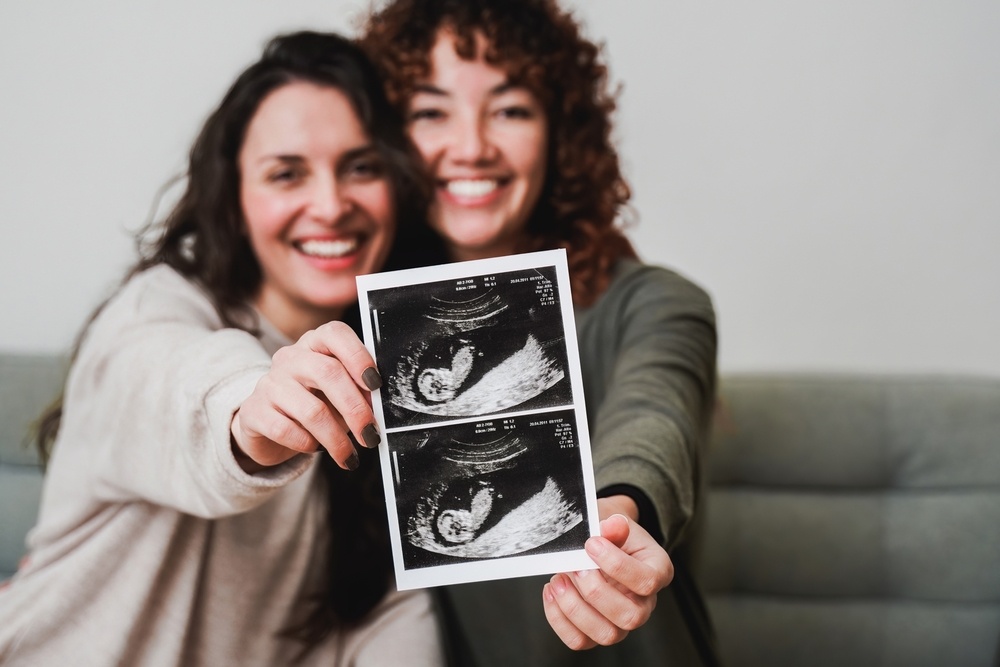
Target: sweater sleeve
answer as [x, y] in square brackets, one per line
[652, 345]
[150, 399]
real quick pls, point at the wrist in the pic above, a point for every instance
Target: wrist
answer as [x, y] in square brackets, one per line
[242, 458]
[647, 514]
[618, 504]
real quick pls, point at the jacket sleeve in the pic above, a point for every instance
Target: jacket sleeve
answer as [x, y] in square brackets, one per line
[150, 399]
[651, 347]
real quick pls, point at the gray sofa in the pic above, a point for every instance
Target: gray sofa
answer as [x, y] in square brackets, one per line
[851, 520]
[854, 520]
[28, 383]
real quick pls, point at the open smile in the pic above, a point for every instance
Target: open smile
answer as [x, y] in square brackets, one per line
[328, 248]
[472, 190]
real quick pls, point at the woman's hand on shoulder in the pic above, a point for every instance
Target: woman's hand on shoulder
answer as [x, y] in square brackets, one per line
[314, 395]
[600, 607]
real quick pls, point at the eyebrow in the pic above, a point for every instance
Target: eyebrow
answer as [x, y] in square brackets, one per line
[498, 89]
[293, 158]
[281, 158]
[368, 150]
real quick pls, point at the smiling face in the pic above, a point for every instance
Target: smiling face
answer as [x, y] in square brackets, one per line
[484, 141]
[316, 202]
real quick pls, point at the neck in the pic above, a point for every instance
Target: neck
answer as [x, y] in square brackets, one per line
[293, 321]
[463, 254]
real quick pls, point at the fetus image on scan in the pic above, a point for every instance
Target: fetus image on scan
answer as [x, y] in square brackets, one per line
[489, 489]
[482, 346]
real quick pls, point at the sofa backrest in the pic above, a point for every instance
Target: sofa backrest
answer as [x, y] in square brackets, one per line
[854, 520]
[851, 520]
[28, 383]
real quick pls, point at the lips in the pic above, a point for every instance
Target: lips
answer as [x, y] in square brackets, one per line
[472, 191]
[471, 188]
[329, 248]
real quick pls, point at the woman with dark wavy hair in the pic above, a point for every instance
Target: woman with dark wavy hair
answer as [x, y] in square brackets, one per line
[187, 518]
[508, 104]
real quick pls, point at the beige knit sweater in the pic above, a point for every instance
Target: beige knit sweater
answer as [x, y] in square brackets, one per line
[153, 547]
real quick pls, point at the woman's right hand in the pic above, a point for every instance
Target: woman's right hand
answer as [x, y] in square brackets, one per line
[314, 394]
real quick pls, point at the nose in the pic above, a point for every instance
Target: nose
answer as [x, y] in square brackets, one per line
[471, 142]
[328, 200]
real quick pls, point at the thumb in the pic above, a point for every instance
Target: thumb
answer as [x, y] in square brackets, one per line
[615, 529]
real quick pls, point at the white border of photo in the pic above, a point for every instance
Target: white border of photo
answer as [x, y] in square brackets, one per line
[501, 567]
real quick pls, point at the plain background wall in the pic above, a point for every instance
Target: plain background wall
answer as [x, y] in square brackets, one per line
[830, 172]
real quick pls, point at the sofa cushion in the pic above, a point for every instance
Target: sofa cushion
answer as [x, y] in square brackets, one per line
[28, 383]
[854, 520]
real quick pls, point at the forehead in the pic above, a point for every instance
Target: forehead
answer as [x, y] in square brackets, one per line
[446, 64]
[302, 115]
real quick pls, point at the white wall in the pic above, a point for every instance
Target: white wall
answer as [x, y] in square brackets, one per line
[830, 172]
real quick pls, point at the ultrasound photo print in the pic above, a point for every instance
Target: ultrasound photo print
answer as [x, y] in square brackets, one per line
[485, 454]
[479, 345]
[489, 489]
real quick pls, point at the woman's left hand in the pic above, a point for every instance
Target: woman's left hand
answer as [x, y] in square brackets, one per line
[602, 606]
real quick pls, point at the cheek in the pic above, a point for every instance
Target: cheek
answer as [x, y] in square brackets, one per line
[263, 214]
[427, 142]
[534, 166]
[258, 211]
[532, 157]
[378, 203]
[540, 152]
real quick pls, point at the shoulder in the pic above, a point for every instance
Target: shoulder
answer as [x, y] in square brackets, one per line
[161, 293]
[636, 284]
[158, 297]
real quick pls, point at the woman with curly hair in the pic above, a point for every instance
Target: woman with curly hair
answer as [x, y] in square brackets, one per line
[508, 104]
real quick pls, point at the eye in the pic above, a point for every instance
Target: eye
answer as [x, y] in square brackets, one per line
[516, 112]
[426, 113]
[285, 175]
[364, 169]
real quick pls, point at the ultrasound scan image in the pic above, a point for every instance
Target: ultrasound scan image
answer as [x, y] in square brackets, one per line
[464, 348]
[489, 489]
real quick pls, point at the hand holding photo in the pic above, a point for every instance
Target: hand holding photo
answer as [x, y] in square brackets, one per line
[486, 455]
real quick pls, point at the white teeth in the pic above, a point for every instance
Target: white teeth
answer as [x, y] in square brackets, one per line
[471, 188]
[329, 249]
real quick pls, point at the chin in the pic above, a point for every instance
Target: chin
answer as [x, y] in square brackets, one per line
[336, 299]
[465, 242]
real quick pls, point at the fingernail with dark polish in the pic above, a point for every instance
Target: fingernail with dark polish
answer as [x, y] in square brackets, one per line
[352, 461]
[372, 379]
[371, 437]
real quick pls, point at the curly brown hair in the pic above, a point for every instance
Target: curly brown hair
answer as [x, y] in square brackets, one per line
[540, 46]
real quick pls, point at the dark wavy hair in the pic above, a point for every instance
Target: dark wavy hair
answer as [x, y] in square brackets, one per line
[541, 47]
[202, 239]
